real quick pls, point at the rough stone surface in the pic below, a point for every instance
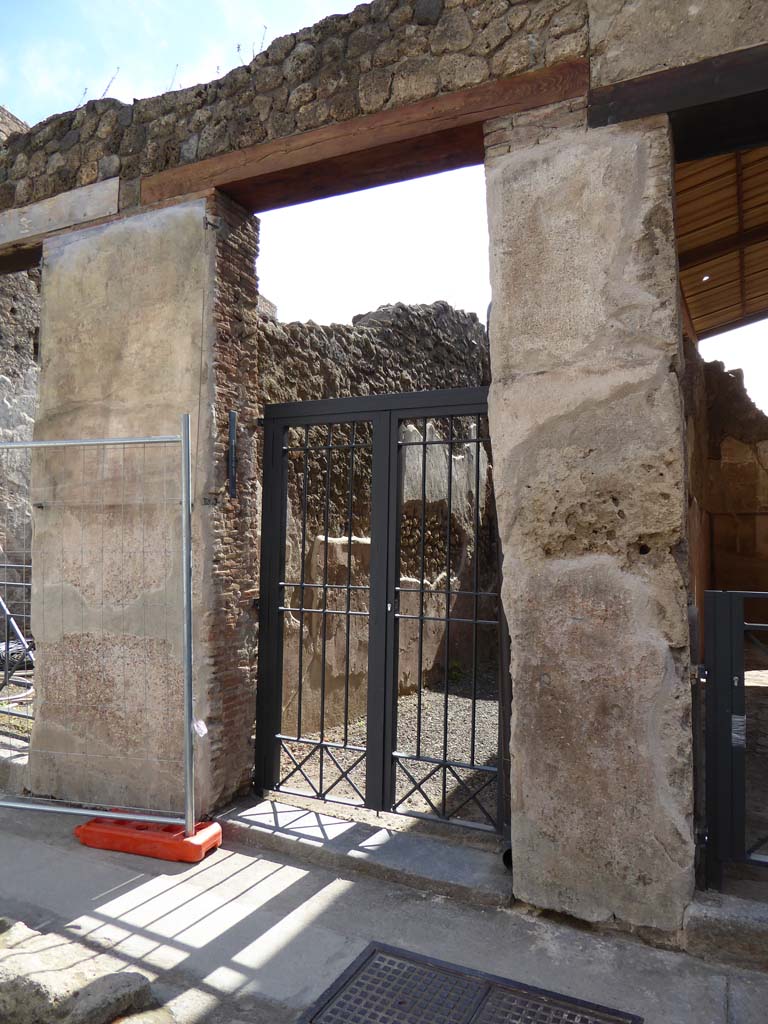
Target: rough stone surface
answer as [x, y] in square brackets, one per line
[44, 980]
[592, 518]
[19, 330]
[135, 294]
[630, 38]
[394, 348]
[728, 928]
[10, 125]
[379, 56]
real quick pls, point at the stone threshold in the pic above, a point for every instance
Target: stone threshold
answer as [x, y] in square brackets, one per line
[468, 867]
[465, 867]
[728, 929]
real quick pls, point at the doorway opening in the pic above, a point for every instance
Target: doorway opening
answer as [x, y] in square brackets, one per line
[380, 652]
[722, 228]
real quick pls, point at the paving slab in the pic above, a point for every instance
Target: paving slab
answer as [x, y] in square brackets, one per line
[259, 936]
[472, 873]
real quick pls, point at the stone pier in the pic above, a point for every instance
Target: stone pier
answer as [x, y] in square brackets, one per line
[588, 442]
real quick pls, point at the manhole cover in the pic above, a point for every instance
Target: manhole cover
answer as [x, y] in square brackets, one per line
[392, 986]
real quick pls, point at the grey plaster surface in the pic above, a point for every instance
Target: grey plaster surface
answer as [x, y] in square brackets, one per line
[257, 937]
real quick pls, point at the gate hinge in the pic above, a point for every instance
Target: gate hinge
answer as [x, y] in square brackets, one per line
[701, 674]
[738, 730]
[702, 837]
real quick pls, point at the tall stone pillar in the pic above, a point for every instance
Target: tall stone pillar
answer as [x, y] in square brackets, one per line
[588, 440]
[139, 325]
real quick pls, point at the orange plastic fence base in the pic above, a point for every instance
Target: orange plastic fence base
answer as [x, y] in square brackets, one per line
[164, 842]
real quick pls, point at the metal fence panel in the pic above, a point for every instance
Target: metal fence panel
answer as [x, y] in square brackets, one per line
[96, 546]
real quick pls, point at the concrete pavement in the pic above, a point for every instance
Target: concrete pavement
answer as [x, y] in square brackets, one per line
[257, 937]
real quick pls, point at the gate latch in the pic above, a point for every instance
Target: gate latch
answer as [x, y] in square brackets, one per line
[738, 730]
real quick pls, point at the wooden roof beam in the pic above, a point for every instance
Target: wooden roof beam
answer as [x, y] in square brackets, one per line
[723, 246]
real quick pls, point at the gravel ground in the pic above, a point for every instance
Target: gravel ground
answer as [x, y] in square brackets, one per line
[432, 719]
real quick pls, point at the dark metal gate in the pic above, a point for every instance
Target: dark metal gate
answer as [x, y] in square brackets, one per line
[736, 680]
[382, 642]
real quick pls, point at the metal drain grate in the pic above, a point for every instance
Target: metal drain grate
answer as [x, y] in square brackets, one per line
[391, 986]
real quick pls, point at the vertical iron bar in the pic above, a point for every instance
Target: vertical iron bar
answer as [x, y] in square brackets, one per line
[738, 751]
[350, 509]
[422, 576]
[7, 646]
[270, 671]
[380, 618]
[718, 740]
[446, 672]
[324, 626]
[475, 587]
[186, 573]
[302, 581]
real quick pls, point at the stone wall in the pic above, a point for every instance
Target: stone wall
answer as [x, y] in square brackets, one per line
[19, 375]
[395, 348]
[628, 38]
[727, 480]
[382, 55]
[10, 125]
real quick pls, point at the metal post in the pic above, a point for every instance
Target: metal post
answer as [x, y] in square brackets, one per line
[186, 576]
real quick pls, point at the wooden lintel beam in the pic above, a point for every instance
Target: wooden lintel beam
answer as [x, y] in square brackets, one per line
[377, 135]
[723, 246]
[23, 258]
[706, 81]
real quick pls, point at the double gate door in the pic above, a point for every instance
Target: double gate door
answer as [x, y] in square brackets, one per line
[381, 633]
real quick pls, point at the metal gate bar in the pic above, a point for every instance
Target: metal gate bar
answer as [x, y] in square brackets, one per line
[188, 818]
[424, 771]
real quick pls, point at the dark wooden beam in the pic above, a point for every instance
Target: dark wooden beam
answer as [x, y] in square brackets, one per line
[732, 325]
[20, 259]
[723, 246]
[370, 150]
[706, 81]
[723, 127]
[445, 151]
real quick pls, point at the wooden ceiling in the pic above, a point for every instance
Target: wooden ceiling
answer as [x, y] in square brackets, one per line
[722, 237]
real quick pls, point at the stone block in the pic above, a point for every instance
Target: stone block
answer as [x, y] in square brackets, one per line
[49, 979]
[631, 39]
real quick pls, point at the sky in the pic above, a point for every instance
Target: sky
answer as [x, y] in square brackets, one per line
[420, 241]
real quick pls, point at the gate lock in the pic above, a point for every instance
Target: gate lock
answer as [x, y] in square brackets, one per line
[738, 730]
